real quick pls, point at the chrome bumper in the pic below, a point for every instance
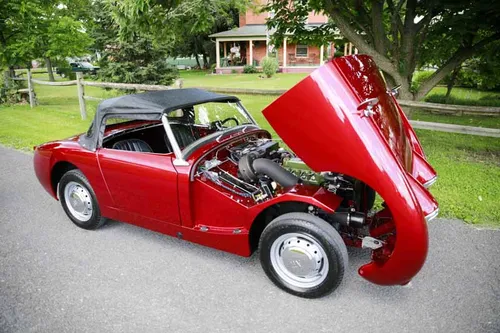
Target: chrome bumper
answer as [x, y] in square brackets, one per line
[430, 182]
[432, 215]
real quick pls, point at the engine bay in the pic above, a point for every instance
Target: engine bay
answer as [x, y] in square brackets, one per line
[255, 169]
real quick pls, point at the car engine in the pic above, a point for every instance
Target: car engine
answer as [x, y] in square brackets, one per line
[256, 169]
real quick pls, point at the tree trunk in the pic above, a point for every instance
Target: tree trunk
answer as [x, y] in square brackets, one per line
[205, 60]
[48, 63]
[197, 61]
[6, 77]
[451, 83]
[12, 71]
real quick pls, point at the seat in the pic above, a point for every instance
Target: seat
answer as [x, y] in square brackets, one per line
[133, 145]
[183, 134]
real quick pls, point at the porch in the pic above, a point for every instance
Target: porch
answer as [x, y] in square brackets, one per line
[249, 44]
[235, 53]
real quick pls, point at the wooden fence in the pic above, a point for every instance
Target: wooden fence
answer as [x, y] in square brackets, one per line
[81, 83]
[434, 107]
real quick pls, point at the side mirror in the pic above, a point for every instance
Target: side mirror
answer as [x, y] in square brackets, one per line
[395, 91]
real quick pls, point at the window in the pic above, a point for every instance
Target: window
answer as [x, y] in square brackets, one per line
[301, 50]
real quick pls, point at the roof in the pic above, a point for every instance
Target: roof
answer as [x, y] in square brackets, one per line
[159, 101]
[252, 30]
[146, 106]
[246, 30]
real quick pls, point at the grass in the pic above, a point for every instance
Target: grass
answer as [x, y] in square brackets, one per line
[469, 175]
[468, 166]
[249, 81]
[464, 96]
[466, 120]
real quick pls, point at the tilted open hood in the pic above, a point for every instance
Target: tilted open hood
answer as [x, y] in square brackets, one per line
[342, 118]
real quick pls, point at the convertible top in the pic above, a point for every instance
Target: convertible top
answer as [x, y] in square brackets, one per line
[146, 106]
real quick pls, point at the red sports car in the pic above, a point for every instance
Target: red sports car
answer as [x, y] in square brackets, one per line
[195, 165]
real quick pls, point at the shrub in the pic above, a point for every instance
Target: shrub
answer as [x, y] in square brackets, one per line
[9, 95]
[234, 71]
[420, 77]
[269, 66]
[156, 72]
[67, 73]
[212, 68]
[249, 69]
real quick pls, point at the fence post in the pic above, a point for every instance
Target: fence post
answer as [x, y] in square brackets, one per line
[81, 93]
[31, 91]
[179, 83]
[6, 76]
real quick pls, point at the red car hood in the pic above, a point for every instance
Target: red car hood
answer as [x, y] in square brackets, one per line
[322, 120]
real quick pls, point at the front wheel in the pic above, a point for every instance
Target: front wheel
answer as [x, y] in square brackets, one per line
[79, 201]
[303, 255]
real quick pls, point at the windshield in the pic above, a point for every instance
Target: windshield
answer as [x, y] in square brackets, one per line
[86, 65]
[221, 116]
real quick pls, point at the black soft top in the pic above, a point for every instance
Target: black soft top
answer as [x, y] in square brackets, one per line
[146, 106]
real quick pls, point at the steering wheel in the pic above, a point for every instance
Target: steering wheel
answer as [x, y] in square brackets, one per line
[219, 124]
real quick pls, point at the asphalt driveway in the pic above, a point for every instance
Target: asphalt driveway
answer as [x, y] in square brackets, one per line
[55, 277]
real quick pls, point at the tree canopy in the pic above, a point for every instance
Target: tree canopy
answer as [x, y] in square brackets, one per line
[399, 34]
[41, 29]
[135, 58]
[185, 25]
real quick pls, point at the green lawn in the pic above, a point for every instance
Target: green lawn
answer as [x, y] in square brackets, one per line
[468, 166]
[464, 96]
[467, 120]
[249, 81]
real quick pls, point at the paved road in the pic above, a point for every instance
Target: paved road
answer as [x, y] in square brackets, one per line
[55, 277]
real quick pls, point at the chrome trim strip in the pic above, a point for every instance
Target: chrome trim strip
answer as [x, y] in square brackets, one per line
[430, 182]
[432, 215]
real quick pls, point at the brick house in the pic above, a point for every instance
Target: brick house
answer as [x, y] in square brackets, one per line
[249, 44]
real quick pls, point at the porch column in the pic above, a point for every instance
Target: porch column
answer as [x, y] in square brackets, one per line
[267, 44]
[217, 53]
[284, 52]
[225, 50]
[355, 50]
[350, 48]
[321, 50]
[345, 49]
[251, 52]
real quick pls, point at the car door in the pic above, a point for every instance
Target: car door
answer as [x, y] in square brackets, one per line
[140, 183]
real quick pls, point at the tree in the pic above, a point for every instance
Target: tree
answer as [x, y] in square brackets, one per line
[134, 58]
[43, 28]
[396, 33]
[186, 24]
[17, 23]
[60, 32]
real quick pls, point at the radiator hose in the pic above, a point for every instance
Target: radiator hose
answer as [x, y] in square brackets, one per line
[250, 168]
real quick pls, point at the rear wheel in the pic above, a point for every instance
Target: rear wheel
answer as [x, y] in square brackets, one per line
[79, 201]
[303, 255]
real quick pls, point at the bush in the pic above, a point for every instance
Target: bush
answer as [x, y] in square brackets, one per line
[420, 77]
[156, 73]
[9, 95]
[269, 66]
[249, 69]
[212, 68]
[67, 73]
[234, 71]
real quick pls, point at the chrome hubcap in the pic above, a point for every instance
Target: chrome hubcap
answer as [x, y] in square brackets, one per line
[78, 201]
[299, 260]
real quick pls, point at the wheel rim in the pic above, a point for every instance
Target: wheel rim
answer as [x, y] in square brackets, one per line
[299, 260]
[78, 201]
